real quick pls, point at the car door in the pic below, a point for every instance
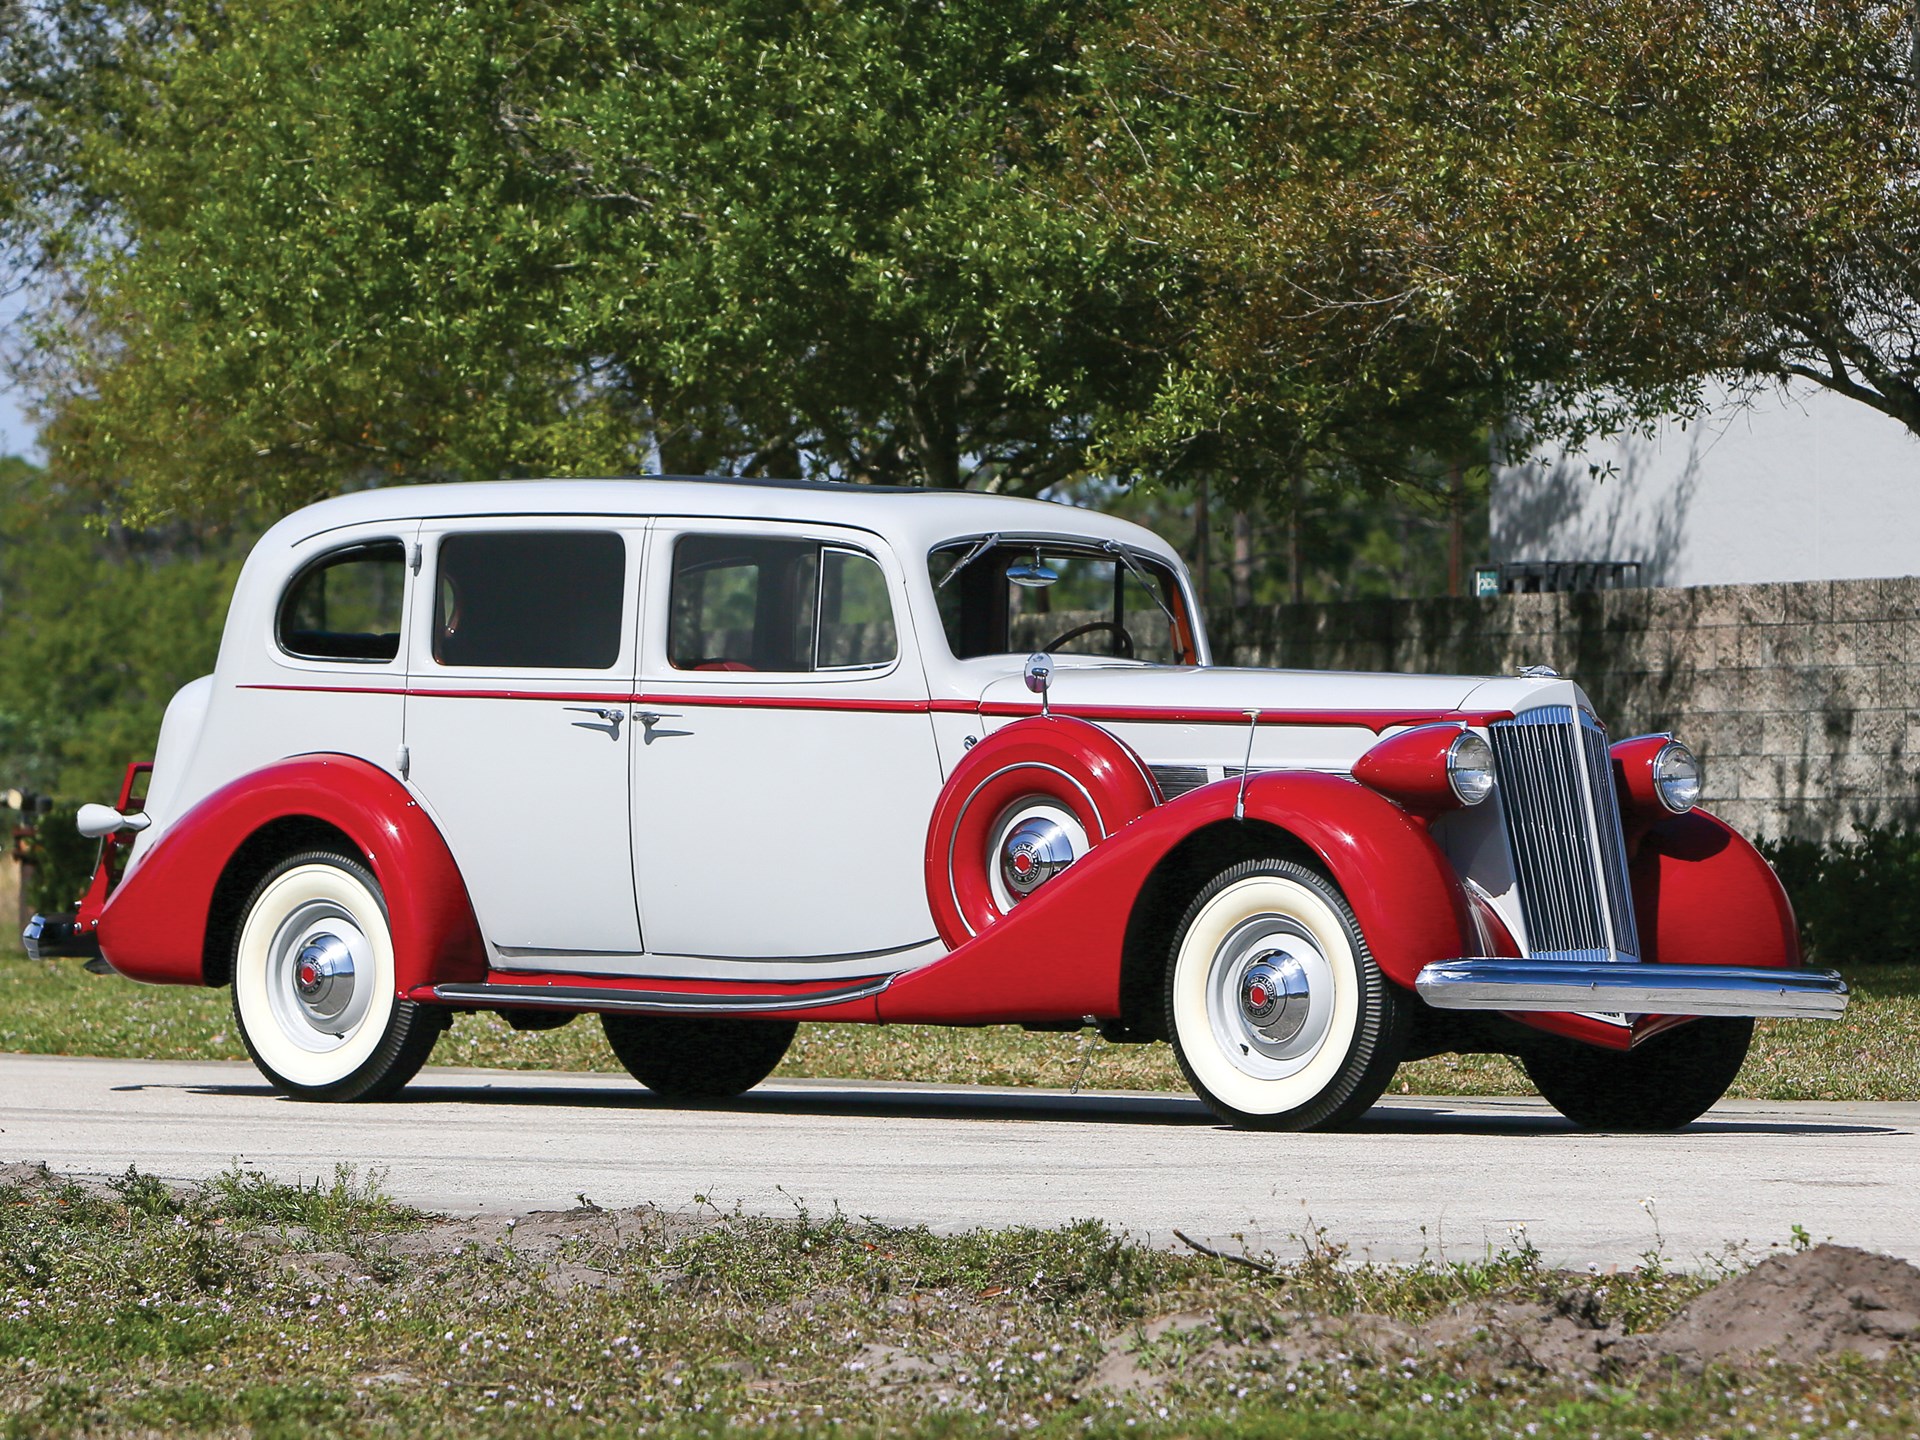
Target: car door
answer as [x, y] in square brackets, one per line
[784, 761]
[517, 734]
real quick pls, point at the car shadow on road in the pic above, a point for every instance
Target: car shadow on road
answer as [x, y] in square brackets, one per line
[1401, 1117]
[1405, 1119]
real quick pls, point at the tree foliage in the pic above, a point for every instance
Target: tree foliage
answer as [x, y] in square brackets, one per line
[99, 626]
[330, 243]
[1411, 218]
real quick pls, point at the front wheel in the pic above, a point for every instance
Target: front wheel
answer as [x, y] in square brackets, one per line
[1662, 1083]
[693, 1057]
[1279, 1015]
[314, 990]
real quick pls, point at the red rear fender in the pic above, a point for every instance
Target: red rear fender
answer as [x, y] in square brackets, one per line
[170, 919]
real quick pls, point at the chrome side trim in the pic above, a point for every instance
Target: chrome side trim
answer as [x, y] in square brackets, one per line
[1632, 987]
[649, 1002]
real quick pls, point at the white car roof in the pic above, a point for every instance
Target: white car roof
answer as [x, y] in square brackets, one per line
[913, 519]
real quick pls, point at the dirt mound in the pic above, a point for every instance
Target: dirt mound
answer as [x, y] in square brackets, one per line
[1828, 1300]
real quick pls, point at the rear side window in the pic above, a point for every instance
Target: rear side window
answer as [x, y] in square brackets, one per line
[346, 605]
[534, 599]
[746, 602]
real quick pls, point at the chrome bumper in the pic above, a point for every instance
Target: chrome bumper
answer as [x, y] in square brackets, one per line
[49, 937]
[1636, 989]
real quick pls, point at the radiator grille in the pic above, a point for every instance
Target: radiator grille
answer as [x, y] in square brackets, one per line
[1563, 825]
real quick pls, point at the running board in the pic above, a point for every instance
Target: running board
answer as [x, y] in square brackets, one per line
[649, 1002]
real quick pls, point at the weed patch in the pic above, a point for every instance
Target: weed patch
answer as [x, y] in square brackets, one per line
[133, 1307]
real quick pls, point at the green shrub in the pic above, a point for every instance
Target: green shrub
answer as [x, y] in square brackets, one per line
[1858, 901]
[63, 858]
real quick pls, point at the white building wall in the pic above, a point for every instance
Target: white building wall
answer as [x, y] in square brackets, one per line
[1800, 484]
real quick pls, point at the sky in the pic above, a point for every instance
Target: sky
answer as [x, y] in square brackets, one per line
[16, 434]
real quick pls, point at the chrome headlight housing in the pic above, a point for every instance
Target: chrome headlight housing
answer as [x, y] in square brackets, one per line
[1470, 768]
[1676, 777]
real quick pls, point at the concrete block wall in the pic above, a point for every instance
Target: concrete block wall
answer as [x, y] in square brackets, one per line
[1802, 699]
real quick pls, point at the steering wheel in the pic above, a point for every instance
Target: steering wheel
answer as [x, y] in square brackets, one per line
[1122, 641]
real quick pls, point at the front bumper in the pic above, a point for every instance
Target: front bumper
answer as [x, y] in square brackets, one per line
[1586, 986]
[49, 937]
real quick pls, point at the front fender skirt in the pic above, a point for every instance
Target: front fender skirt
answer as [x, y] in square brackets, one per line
[1057, 955]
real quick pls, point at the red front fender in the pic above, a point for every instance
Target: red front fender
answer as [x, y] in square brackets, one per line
[1057, 955]
[155, 925]
[1704, 896]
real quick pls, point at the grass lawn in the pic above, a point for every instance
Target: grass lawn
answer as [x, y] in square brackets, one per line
[55, 1007]
[252, 1307]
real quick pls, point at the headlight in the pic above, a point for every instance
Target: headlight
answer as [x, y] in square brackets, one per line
[1470, 768]
[1676, 777]
[1429, 769]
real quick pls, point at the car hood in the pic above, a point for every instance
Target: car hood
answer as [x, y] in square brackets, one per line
[1225, 693]
[1195, 718]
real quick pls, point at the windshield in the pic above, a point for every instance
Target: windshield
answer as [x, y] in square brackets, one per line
[1015, 597]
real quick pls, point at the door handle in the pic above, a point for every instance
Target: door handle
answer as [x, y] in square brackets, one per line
[606, 713]
[648, 720]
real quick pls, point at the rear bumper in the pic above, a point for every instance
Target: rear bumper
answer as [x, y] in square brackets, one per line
[50, 937]
[1638, 989]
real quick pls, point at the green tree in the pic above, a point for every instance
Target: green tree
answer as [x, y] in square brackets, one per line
[99, 626]
[1413, 220]
[320, 245]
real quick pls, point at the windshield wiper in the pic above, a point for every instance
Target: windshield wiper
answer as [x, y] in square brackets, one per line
[967, 559]
[1114, 547]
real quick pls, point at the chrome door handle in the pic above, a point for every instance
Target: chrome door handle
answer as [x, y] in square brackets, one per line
[651, 718]
[611, 716]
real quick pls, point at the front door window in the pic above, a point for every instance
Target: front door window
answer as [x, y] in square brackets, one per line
[787, 765]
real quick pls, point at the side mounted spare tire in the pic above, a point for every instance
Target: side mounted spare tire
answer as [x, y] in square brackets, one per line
[1029, 799]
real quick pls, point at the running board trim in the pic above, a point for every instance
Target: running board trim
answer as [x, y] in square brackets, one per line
[649, 1002]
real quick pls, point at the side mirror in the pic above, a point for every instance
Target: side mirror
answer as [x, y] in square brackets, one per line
[1039, 677]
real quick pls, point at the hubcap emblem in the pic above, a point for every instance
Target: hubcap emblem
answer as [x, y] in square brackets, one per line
[1033, 852]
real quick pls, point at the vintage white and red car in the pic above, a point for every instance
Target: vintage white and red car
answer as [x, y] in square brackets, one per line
[710, 758]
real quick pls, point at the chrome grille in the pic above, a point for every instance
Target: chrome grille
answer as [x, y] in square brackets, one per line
[1563, 827]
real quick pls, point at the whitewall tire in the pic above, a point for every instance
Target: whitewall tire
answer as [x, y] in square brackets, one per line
[314, 985]
[1277, 1012]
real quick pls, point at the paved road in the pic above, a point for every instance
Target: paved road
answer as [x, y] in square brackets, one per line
[1421, 1176]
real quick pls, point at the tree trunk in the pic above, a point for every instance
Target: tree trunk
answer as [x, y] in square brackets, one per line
[1202, 561]
[1296, 550]
[1242, 560]
[1456, 528]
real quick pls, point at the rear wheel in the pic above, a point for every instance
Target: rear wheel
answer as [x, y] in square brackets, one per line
[1663, 1083]
[1279, 1016]
[693, 1057]
[314, 990]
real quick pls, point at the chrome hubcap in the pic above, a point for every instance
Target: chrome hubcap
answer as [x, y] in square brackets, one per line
[1270, 996]
[323, 977]
[320, 965]
[1033, 852]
